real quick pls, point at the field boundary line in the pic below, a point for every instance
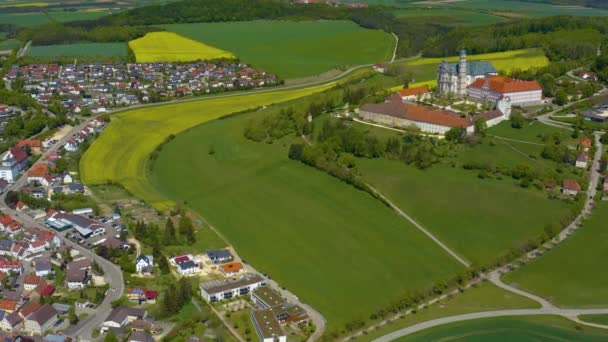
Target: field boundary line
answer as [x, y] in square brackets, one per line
[518, 141]
[396, 45]
[421, 228]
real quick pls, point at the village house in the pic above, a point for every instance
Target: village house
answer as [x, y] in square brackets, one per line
[28, 309]
[571, 187]
[35, 146]
[11, 266]
[219, 256]
[121, 316]
[231, 269]
[8, 306]
[585, 144]
[31, 281]
[77, 279]
[11, 322]
[144, 264]
[140, 336]
[582, 160]
[142, 295]
[39, 322]
[39, 174]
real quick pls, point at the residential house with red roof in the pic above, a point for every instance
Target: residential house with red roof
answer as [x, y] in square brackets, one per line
[34, 145]
[30, 282]
[585, 144]
[40, 174]
[8, 305]
[494, 88]
[571, 187]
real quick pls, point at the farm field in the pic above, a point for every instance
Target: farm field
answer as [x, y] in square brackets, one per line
[294, 49]
[572, 265]
[485, 297]
[455, 17]
[122, 151]
[521, 8]
[425, 69]
[64, 16]
[9, 44]
[83, 49]
[504, 329]
[24, 19]
[319, 237]
[171, 47]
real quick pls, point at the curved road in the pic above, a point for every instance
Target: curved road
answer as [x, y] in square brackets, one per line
[567, 313]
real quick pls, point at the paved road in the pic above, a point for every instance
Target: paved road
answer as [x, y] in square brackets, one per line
[546, 118]
[488, 314]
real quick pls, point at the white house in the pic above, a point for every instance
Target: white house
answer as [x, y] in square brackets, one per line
[144, 264]
[121, 316]
[188, 267]
[11, 322]
[571, 187]
[78, 279]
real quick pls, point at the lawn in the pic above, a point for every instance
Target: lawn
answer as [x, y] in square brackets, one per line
[171, 47]
[319, 237]
[485, 297]
[82, 49]
[503, 329]
[425, 69]
[569, 276]
[479, 219]
[294, 49]
[120, 154]
[455, 17]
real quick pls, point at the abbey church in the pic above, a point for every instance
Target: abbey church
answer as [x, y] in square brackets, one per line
[454, 78]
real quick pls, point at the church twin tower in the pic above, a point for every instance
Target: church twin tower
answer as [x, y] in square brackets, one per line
[453, 79]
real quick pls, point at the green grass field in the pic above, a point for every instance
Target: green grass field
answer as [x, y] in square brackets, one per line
[507, 329]
[321, 238]
[485, 297]
[455, 17]
[522, 9]
[597, 319]
[83, 49]
[24, 19]
[64, 16]
[294, 49]
[120, 154]
[9, 44]
[479, 219]
[571, 274]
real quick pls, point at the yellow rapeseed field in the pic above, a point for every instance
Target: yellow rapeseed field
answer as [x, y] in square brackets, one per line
[171, 47]
[121, 153]
[26, 4]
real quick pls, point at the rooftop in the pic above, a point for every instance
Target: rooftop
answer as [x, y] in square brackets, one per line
[217, 286]
[267, 324]
[503, 84]
[269, 296]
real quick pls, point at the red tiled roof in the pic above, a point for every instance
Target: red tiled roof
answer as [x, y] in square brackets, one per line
[31, 279]
[29, 308]
[501, 84]
[45, 290]
[437, 117]
[8, 305]
[571, 184]
[30, 143]
[585, 142]
[181, 259]
[415, 91]
[19, 154]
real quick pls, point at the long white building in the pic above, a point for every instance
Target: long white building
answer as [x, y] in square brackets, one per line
[217, 290]
[522, 93]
